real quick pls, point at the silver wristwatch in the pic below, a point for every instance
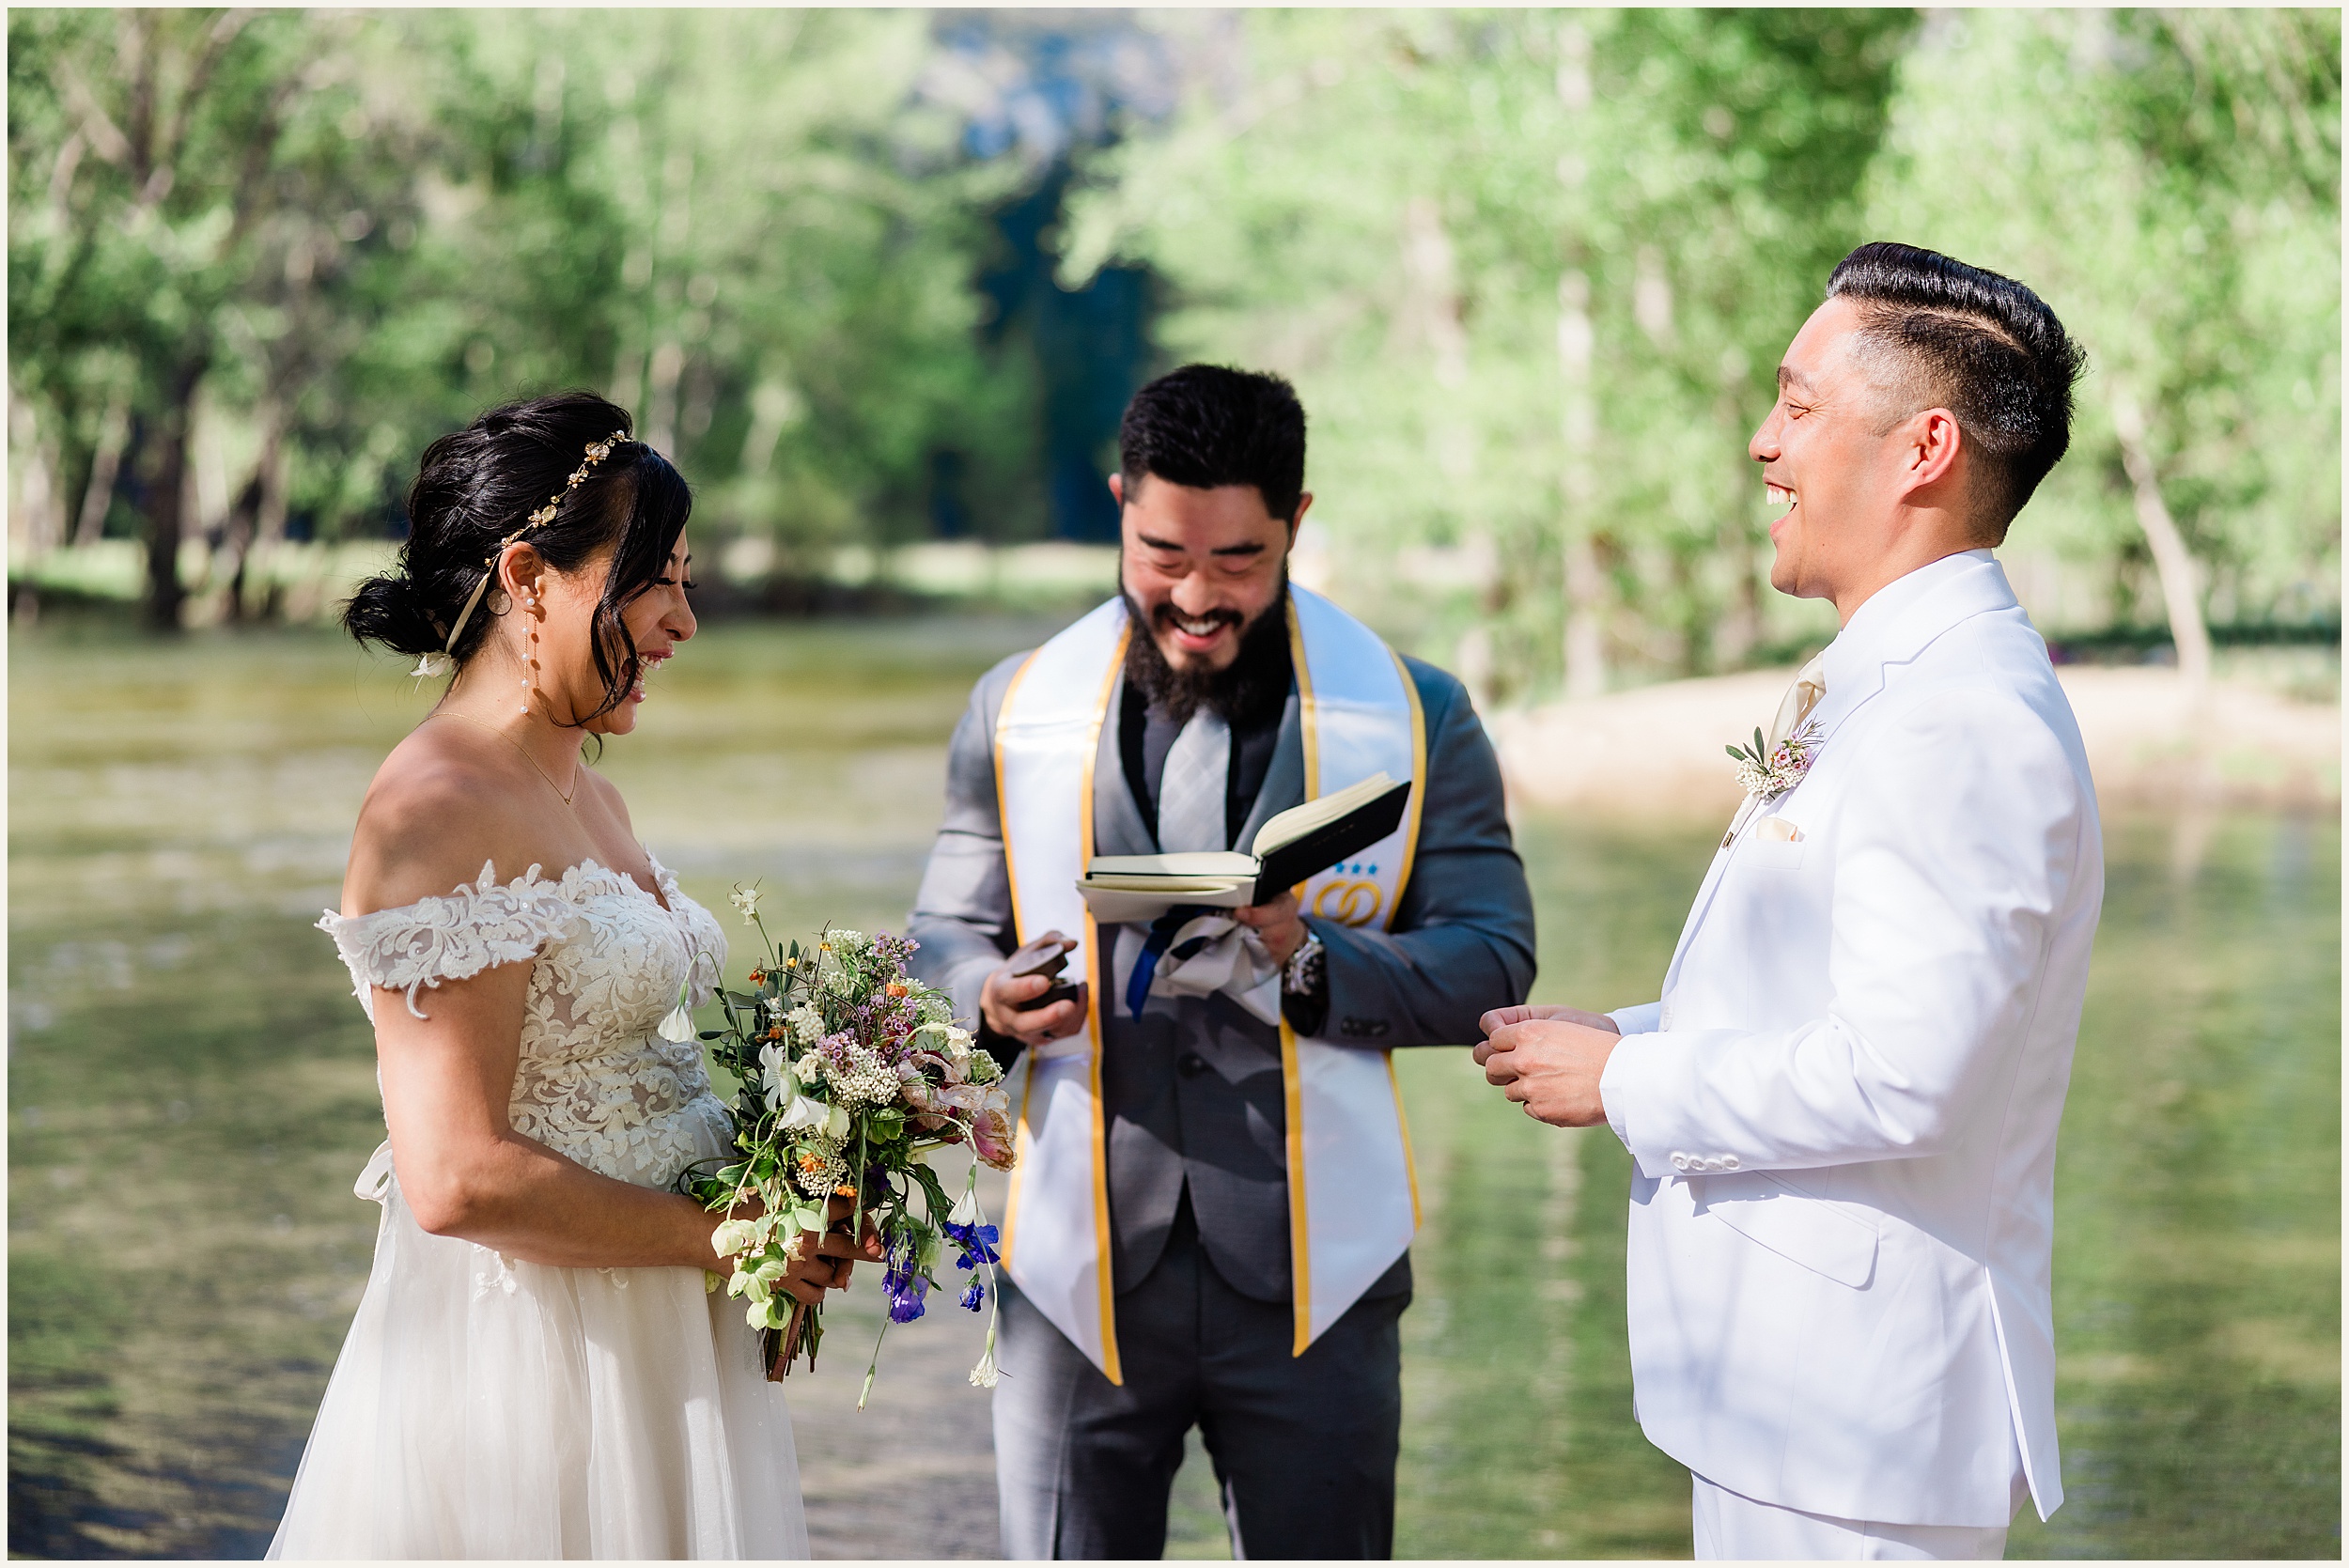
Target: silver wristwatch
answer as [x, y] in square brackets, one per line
[1302, 974]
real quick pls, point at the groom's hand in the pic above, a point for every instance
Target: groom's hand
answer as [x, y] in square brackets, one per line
[1007, 992]
[1549, 1060]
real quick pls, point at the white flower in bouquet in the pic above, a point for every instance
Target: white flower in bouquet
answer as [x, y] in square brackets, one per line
[816, 1168]
[786, 1094]
[732, 1236]
[865, 1078]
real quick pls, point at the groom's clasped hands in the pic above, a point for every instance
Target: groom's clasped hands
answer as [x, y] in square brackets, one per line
[1549, 1060]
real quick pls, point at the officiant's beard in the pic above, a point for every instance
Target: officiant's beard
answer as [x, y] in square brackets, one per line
[1250, 690]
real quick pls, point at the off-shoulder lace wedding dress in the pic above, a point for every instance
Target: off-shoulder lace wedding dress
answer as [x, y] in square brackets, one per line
[488, 1407]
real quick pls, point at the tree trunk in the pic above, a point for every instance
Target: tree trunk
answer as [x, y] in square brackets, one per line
[257, 518]
[2172, 563]
[166, 492]
[1582, 585]
[98, 496]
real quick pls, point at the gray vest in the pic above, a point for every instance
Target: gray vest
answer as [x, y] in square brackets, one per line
[1191, 1092]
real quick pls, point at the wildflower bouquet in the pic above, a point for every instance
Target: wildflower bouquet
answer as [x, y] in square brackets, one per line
[853, 1076]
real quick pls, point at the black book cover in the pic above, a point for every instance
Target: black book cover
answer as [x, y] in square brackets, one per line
[1330, 842]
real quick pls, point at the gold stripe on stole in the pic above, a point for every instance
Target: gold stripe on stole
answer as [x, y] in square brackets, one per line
[1305, 704]
[1292, 1077]
[1403, 1125]
[1300, 1240]
[1025, 1137]
[1411, 853]
[1109, 1367]
[1022, 1142]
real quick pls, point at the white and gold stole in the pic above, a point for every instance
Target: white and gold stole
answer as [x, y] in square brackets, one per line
[1353, 1197]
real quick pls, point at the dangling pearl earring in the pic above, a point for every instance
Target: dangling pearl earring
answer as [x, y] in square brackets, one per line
[530, 669]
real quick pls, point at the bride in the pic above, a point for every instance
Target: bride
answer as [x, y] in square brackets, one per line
[536, 1370]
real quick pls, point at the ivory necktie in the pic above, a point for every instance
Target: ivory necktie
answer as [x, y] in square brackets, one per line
[1801, 700]
[1794, 709]
[1191, 790]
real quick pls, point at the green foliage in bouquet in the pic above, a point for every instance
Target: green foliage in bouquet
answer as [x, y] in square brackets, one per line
[853, 1075]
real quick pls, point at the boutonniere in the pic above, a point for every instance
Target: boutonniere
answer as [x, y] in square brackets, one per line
[1763, 773]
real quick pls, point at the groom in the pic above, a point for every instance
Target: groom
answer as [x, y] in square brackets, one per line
[1844, 1109]
[1210, 1221]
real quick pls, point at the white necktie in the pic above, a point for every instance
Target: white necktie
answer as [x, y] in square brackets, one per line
[1802, 699]
[1191, 790]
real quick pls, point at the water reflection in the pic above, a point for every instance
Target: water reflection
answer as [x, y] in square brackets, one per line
[191, 1092]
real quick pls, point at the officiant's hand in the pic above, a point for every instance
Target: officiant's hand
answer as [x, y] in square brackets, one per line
[1007, 991]
[1277, 924]
[1549, 1060]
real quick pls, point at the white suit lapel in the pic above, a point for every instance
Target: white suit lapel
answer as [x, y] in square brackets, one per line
[1909, 615]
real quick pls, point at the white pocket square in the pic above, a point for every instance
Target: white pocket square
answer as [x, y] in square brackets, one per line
[1777, 829]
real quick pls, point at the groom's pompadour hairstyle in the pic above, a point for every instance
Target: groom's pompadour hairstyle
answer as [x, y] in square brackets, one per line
[1210, 424]
[1945, 334]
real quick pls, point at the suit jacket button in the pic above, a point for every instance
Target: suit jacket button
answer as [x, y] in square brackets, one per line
[1729, 1162]
[1680, 1161]
[1190, 1063]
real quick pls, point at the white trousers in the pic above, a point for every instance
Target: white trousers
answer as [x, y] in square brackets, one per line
[1732, 1526]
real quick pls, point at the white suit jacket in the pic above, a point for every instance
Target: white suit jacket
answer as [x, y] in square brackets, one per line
[1844, 1109]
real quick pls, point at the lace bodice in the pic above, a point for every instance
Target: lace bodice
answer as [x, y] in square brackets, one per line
[596, 1081]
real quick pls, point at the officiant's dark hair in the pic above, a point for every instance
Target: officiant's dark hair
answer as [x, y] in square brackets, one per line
[1983, 347]
[480, 484]
[1210, 424]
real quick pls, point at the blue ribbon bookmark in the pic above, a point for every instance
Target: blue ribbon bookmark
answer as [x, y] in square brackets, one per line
[1154, 947]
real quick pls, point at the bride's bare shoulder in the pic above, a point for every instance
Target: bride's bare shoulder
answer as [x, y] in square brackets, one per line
[438, 811]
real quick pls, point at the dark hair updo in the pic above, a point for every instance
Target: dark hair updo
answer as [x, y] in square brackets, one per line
[481, 484]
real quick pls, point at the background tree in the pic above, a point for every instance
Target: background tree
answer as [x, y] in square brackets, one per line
[340, 234]
[1531, 272]
[151, 138]
[2171, 180]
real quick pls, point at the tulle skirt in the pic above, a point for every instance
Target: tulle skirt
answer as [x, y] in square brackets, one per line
[487, 1408]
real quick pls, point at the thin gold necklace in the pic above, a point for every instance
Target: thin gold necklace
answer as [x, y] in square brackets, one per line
[519, 747]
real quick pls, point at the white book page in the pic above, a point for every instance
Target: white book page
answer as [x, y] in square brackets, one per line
[1296, 822]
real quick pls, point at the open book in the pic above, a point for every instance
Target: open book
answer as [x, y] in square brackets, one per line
[1289, 848]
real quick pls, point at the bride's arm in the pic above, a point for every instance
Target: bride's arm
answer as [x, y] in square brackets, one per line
[448, 1077]
[465, 1171]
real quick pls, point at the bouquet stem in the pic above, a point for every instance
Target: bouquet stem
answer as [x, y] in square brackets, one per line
[781, 1347]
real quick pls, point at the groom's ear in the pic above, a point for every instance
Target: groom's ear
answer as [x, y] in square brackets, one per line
[1117, 489]
[1296, 519]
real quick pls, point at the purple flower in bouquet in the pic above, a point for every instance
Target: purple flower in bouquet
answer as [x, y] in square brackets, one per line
[904, 1282]
[977, 1243]
[905, 1296]
[973, 1295]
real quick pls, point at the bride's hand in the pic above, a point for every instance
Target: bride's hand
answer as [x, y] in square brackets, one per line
[826, 1260]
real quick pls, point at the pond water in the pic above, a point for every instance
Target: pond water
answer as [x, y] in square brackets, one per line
[190, 1094]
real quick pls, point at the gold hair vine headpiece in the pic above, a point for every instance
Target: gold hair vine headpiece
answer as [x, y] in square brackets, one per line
[444, 661]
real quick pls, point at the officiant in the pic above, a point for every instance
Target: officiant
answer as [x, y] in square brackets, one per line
[1211, 1220]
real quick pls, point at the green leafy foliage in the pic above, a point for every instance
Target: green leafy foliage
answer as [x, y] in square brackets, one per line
[332, 237]
[1533, 271]
[2170, 181]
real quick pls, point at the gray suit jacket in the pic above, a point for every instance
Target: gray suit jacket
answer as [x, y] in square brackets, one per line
[1192, 1090]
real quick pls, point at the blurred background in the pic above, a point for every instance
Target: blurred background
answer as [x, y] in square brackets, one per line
[881, 282]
